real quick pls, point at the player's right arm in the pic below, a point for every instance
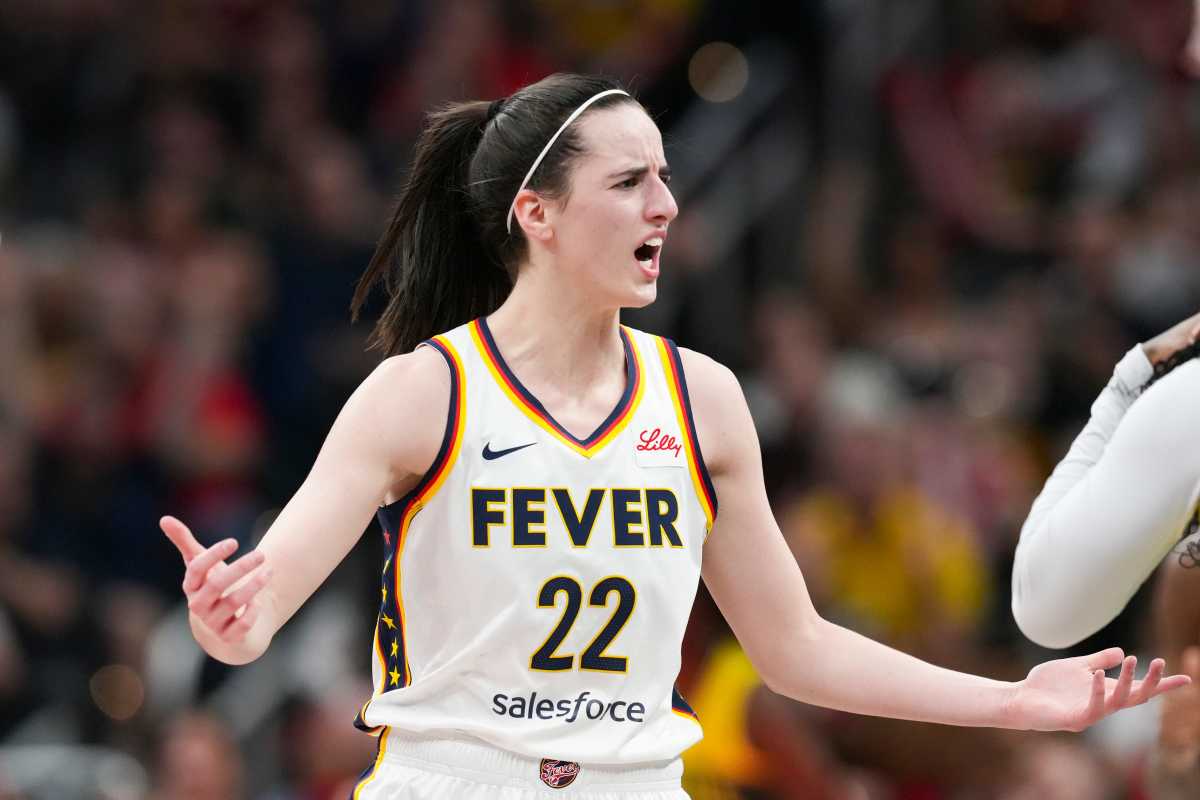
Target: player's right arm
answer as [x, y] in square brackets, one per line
[385, 437]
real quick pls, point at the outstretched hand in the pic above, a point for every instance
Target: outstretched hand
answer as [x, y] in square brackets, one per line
[1073, 693]
[220, 595]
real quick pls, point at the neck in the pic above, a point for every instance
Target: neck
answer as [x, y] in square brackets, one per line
[551, 333]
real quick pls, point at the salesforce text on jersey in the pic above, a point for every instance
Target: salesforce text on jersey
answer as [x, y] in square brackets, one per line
[569, 710]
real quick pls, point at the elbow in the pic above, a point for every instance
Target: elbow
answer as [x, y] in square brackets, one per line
[1039, 630]
[770, 679]
[1038, 613]
[1042, 621]
[780, 661]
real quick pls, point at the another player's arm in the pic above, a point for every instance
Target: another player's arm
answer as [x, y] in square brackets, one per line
[1190, 57]
[756, 582]
[1176, 762]
[387, 434]
[1111, 507]
[1177, 608]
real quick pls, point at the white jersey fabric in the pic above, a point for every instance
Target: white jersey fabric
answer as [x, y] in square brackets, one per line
[1116, 504]
[536, 586]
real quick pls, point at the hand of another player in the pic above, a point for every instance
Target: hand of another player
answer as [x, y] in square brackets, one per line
[220, 595]
[1173, 339]
[1073, 693]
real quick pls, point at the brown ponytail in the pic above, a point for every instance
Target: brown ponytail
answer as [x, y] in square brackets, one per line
[446, 257]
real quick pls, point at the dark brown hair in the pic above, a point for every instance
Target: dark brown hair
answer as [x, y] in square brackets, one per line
[446, 256]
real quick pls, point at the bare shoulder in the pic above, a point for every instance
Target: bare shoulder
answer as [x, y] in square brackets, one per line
[421, 375]
[712, 387]
[723, 422]
[400, 408]
[413, 383]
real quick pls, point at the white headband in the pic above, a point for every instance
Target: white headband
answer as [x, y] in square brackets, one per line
[512, 207]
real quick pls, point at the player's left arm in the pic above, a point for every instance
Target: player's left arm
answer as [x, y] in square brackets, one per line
[758, 586]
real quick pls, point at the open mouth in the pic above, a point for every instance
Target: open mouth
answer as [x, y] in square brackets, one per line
[645, 254]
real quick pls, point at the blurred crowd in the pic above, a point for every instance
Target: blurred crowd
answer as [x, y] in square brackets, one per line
[987, 204]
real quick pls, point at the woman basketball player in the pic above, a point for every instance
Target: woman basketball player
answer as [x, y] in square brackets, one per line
[549, 481]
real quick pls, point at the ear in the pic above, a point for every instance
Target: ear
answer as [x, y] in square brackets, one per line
[530, 214]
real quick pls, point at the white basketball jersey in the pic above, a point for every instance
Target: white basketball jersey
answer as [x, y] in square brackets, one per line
[536, 586]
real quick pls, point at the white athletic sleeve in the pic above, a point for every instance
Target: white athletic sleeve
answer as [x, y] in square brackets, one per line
[1113, 507]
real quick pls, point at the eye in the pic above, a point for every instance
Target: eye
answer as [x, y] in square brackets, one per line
[665, 177]
[629, 182]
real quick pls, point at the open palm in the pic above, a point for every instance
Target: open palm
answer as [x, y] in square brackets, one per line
[1073, 693]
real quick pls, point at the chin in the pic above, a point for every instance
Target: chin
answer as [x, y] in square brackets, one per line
[642, 296]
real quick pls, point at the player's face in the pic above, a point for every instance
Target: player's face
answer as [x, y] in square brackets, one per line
[611, 229]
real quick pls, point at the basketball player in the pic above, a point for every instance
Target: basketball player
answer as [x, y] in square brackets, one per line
[552, 486]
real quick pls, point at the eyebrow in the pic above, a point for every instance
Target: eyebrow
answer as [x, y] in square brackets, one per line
[633, 172]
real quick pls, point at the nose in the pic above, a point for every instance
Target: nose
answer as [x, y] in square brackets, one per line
[660, 205]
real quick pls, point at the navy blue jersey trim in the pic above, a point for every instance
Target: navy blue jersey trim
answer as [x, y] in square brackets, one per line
[391, 514]
[374, 761]
[679, 704]
[631, 375]
[691, 423]
[391, 520]
[362, 725]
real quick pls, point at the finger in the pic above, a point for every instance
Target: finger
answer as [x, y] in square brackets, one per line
[1170, 684]
[1124, 684]
[230, 605]
[1105, 659]
[236, 628]
[181, 537]
[199, 566]
[246, 592]
[1144, 689]
[1095, 706]
[221, 579]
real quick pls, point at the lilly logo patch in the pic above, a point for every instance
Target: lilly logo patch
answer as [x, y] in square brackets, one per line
[657, 447]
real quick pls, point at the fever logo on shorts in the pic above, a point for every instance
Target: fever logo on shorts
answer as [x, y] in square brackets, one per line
[558, 774]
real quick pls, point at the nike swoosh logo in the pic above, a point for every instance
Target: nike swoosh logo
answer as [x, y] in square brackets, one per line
[490, 454]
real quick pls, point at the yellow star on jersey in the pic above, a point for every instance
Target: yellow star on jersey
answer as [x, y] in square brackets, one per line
[395, 646]
[388, 621]
[395, 676]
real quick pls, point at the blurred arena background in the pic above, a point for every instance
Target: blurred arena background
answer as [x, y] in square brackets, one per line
[921, 232]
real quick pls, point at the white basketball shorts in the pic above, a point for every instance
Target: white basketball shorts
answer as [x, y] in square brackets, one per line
[419, 768]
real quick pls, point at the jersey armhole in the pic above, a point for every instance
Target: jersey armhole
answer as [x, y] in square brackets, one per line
[390, 514]
[677, 381]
